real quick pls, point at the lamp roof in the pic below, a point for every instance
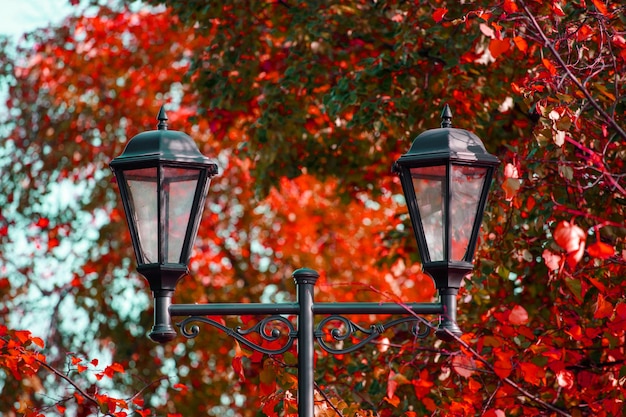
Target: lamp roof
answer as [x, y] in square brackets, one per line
[448, 143]
[163, 145]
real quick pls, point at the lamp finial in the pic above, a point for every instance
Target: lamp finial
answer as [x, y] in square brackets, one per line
[446, 117]
[162, 118]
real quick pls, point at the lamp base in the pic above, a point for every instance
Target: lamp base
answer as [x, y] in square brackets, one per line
[447, 325]
[162, 330]
[162, 333]
[446, 329]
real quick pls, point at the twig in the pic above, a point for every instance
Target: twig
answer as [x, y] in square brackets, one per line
[146, 387]
[477, 356]
[572, 77]
[601, 221]
[508, 381]
[71, 382]
[491, 397]
[597, 161]
[327, 399]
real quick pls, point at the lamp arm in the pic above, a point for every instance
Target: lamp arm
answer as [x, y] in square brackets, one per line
[277, 328]
[243, 309]
[267, 328]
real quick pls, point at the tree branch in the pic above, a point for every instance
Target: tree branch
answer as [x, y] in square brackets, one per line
[509, 381]
[327, 400]
[484, 361]
[71, 382]
[571, 76]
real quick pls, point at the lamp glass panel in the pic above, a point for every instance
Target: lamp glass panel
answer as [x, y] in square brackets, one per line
[180, 189]
[430, 184]
[467, 183]
[144, 205]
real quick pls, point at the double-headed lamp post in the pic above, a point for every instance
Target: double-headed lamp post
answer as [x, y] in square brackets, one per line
[164, 179]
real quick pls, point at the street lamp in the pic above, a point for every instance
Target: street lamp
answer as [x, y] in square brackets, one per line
[164, 179]
[446, 176]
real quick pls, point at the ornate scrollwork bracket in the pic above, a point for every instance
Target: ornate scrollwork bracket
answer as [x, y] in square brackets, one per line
[271, 329]
[345, 329]
[279, 328]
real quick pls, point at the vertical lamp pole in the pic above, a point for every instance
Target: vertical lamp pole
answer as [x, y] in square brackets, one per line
[164, 179]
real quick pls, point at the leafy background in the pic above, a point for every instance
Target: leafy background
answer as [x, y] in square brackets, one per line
[305, 105]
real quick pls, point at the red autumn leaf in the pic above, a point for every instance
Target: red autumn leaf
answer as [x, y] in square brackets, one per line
[565, 378]
[552, 260]
[43, 222]
[267, 379]
[571, 238]
[394, 401]
[604, 308]
[60, 408]
[112, 369]
[117, 367]
[584, 33]
[81, 368]
[23, 335]
[520, 43]
[463, 365]
[79, 398]
[509, 6]
[269, 406]
[518, 315]
[499, 46]
[53, 243]
[180, 387]
[549, 66]
[143, 413]
[439, 13]
[601, 7]
[532, 373]
[38, 341]
[76, 360]
[503, 368]
[557, 9]
[576, 332]
[601, 250]
[94, 362]
[422, 385]
[392, 384]
[238, 365]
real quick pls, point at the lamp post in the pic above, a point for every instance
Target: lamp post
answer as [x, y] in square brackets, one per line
[164, 179]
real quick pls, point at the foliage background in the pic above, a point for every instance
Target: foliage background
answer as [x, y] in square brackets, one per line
[305, 105]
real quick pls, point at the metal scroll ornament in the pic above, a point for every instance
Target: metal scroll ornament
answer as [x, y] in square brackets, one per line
[345, 329]
[271, 329]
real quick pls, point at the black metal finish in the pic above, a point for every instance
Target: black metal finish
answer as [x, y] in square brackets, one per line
[160, 151]
[305, 281]
[242, 309]
[343, 329]
[434, 156]
[332, 333]
[268, 328]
